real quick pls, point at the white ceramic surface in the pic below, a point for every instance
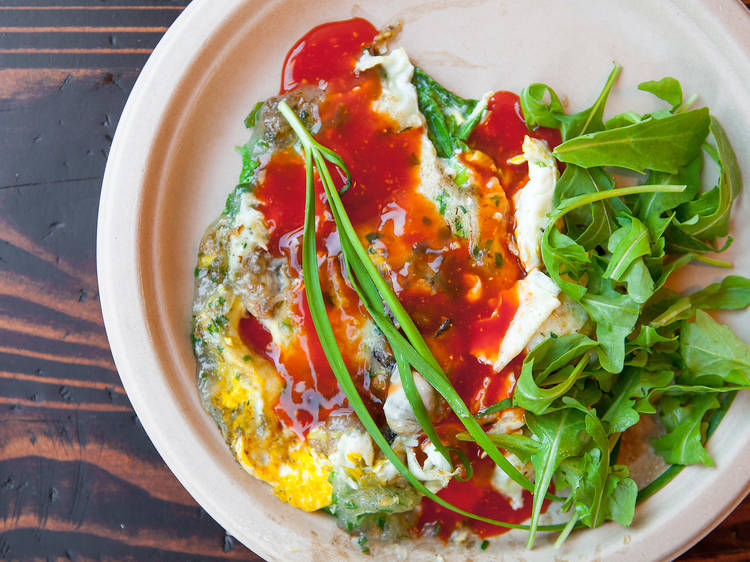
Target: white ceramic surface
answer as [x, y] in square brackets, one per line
[172, 164]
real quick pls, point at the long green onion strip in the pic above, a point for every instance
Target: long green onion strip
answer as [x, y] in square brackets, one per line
[586, 198]
[314, 152]
[368, 294]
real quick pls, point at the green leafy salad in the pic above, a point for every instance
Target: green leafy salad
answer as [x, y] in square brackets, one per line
[611, 247]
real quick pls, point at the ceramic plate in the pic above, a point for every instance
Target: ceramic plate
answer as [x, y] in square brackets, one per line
[173, 162]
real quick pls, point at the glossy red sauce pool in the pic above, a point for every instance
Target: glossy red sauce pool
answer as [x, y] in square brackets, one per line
[326, 52]
[461, 304]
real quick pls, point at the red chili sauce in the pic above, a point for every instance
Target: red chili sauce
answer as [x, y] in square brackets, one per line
[460, 297]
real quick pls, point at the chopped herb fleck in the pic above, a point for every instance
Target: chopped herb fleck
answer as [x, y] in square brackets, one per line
[372, 236]
[484, 545]
[459, 228]
[442, 196]
[246, 358]
[461, 177]
[499, 259]
[362, 542]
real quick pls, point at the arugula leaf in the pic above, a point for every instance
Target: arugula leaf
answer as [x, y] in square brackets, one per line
[645, 406]
[629, 244]
[732, 293]
[615, 316]
[663, 145]
[563, 256]
[540, 113]
[550, 356]
[665, 477]
[651, 207]
[682, 416]
[711, 349]
[667, 88]
[598, 491]
[707, 217]
[557, 432]
[591, 225]
[537, 112]
[450, 118]
[632, 385]
[518, 444]
[649, 336]
[623, 120]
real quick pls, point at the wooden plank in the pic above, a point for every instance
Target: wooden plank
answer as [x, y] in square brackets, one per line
[84, 29]
[66, 51]
[112, 16]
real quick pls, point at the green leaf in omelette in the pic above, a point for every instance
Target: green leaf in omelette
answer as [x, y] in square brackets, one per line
[450, 118]
[252, 117]
[662, 145]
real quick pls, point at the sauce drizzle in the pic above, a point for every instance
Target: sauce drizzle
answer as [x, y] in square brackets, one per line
[460, 293]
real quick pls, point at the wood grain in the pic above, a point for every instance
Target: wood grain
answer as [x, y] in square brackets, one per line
[79, 479]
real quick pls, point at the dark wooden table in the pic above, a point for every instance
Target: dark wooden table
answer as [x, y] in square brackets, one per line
[79, 478]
